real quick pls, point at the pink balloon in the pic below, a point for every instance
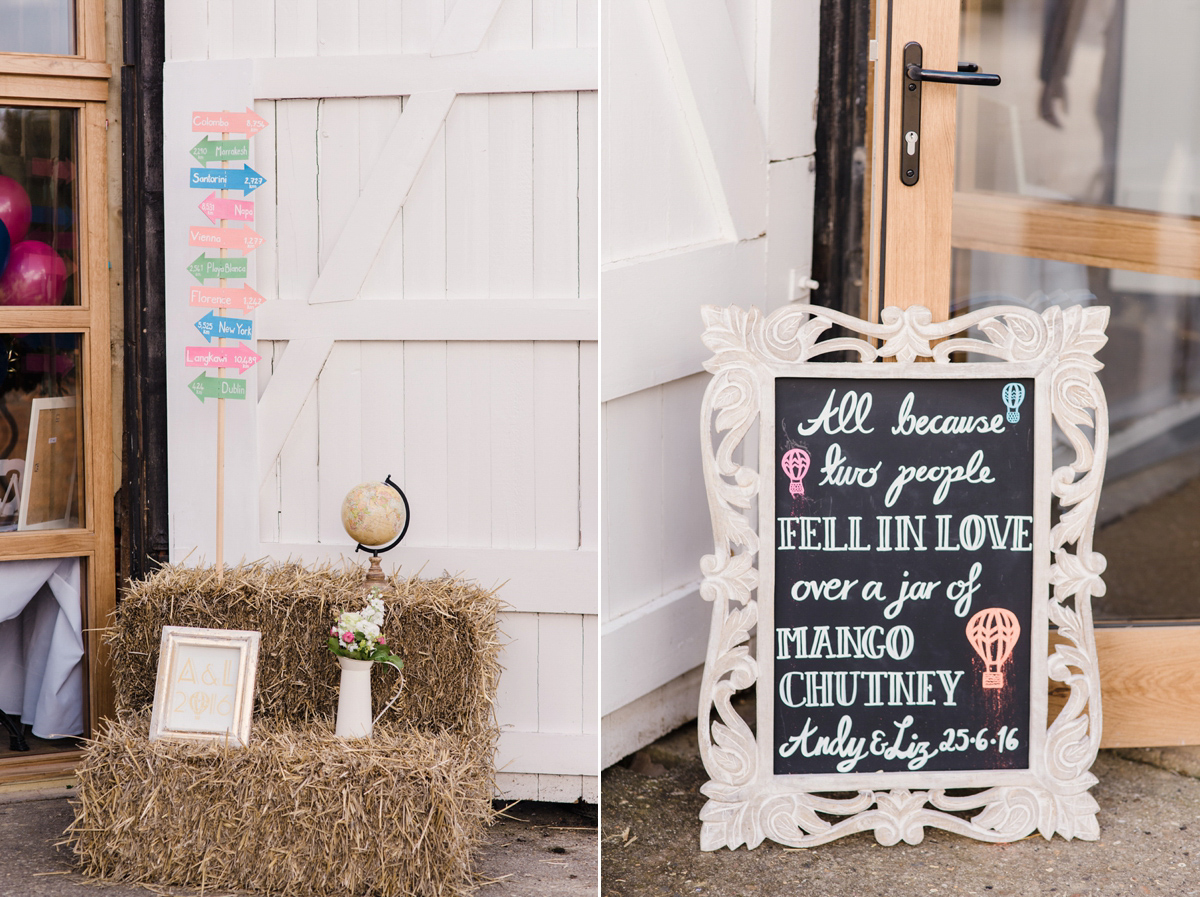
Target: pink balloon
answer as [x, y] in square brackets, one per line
[35, 275]
[15, 209]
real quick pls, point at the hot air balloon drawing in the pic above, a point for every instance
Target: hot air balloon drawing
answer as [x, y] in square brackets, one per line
[1013, 395]
[795, 464]
[993, 632]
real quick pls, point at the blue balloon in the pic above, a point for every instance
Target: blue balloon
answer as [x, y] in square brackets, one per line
[5, 246]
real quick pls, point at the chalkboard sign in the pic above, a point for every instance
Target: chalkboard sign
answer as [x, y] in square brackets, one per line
[903, 554]
[893, 563]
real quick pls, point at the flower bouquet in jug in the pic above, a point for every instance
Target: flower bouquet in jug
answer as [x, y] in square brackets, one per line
[357, 640]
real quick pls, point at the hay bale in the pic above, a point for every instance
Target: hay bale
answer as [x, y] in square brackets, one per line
[445, 629]
[297, 811]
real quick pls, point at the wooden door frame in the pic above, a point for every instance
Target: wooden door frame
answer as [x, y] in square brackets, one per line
[1149, 693]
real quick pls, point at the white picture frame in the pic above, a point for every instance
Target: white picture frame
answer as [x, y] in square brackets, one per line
[34, 476]
[747, 802]
[204, 690]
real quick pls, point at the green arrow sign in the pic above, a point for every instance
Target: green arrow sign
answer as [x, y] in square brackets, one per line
[208, 150]
[206, 387]
[206, 267]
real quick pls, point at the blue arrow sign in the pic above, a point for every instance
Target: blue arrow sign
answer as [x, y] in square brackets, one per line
[225, 328]
[245, 179]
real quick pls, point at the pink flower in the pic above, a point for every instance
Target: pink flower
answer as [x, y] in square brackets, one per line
[381, 640]
[347, 637]
[333, 630]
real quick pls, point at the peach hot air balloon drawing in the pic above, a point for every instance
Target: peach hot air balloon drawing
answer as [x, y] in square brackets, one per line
[795, 464]
[993, 632]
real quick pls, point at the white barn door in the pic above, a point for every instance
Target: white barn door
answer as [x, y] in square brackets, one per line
[708, 111]
[430, 220]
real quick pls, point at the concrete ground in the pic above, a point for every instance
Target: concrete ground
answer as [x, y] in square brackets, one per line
[533, 849]
[1149, 841]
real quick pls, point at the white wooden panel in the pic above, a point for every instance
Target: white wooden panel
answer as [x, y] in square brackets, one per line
[465, 27]
[650, 316]
[422, 22]
[337, 143]
[589, 445]
[425, 442]
[512, 27]
[795, 45]
[560, 675]
[559, 789]
[547, 753]
[516, 705]
[379, 26]
[296, 215]
[555, 195]
[633, 483]
[656, 196]
[340, 432]
[424, 221]
[790, 234]
[468, 198]
[469, 421]
[382, 404]
[555, 424]
[743, 23]
[279, 405]
[555, 24]
[510, 125]
[337, 27]
[668, 637]
[500, 71]
[253, 31]
[591, 674]
[508, 451]
[296, 30]
[266, 155]
[298, 484]
[220, 29]
[683, 515]
[542, 581]
[589, 196]
[186, 31]
[377, 117]
[268, 493]
[649, 717]
[590, 790]
[588, 19]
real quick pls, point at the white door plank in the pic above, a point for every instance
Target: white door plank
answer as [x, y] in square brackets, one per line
[469, 415]
[588, 18]
[382, 403]
[508, 452]
[510, 155]
[556, 483]
[424, 222]
[589, 195]
[296, 195]
[425, 442]
[685, 523]
[550, 753]
[387, 189]
[296, 29]
[298, 488]
[560, 673]
[380, 25]
[516, 704]
[377, 116]
[591, 674]
[555, 194]
[337, 28]
[421, 20]
[468, 187]
[589, 445]
[340, 435]
[338, 177]
[281, 401]
[511, 27]
[465, 27]
[254, 31]
[186, 32]
[559, 788]
[794, 57]
[555, 23]
[220, 29]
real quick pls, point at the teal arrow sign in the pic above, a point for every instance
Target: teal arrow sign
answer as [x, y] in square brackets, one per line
[205, 267]
[208, 150]
[245, 178]
[206, 387]
[225, 328]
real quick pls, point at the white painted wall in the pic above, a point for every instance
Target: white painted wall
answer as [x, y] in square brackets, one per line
[430, 217]
[709, 116]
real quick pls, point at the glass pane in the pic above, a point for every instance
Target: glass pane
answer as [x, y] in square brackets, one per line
[41, 656]
[41, 425]
[1150, 505]
[38, 237]
[38, 26]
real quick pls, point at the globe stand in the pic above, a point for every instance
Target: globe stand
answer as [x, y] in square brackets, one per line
[375, 575]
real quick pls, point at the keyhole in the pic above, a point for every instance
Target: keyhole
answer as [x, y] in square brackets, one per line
[911, 139]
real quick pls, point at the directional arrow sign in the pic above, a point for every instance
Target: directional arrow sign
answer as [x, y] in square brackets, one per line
[225, 328]
[242, 298]
[248, 122]
[229, 209]
[206, 387]
[209, 150]
[208, 268]
[240, 356]
[245, 178]
[242, 238]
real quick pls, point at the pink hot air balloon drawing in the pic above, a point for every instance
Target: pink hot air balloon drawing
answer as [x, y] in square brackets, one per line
[795, 464]
[993, 632]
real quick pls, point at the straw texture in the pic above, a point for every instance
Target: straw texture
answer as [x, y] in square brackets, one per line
[299, 811]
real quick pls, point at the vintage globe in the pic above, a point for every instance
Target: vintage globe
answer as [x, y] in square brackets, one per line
[373, 514]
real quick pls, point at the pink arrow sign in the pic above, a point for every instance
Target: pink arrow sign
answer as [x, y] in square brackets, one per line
[243, 298]
[240, 356]
[242, 238]
[229, 209]
[248, 122]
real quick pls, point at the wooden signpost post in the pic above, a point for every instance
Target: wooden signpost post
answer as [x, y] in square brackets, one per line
[221, 210]
[907, 576]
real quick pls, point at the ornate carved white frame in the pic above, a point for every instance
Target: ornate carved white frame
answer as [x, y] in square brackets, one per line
[746, 801]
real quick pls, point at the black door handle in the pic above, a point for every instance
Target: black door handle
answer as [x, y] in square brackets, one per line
[910, 111]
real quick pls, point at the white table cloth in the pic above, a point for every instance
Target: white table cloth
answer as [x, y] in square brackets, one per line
[41, 645]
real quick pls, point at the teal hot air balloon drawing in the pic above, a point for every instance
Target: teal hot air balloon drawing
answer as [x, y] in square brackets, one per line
[1013, 395]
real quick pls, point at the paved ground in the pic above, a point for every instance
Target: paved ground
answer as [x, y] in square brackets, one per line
[1149, 824]
[535, 849]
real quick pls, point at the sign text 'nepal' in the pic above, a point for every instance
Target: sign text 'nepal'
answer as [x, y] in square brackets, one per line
[903, 570]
